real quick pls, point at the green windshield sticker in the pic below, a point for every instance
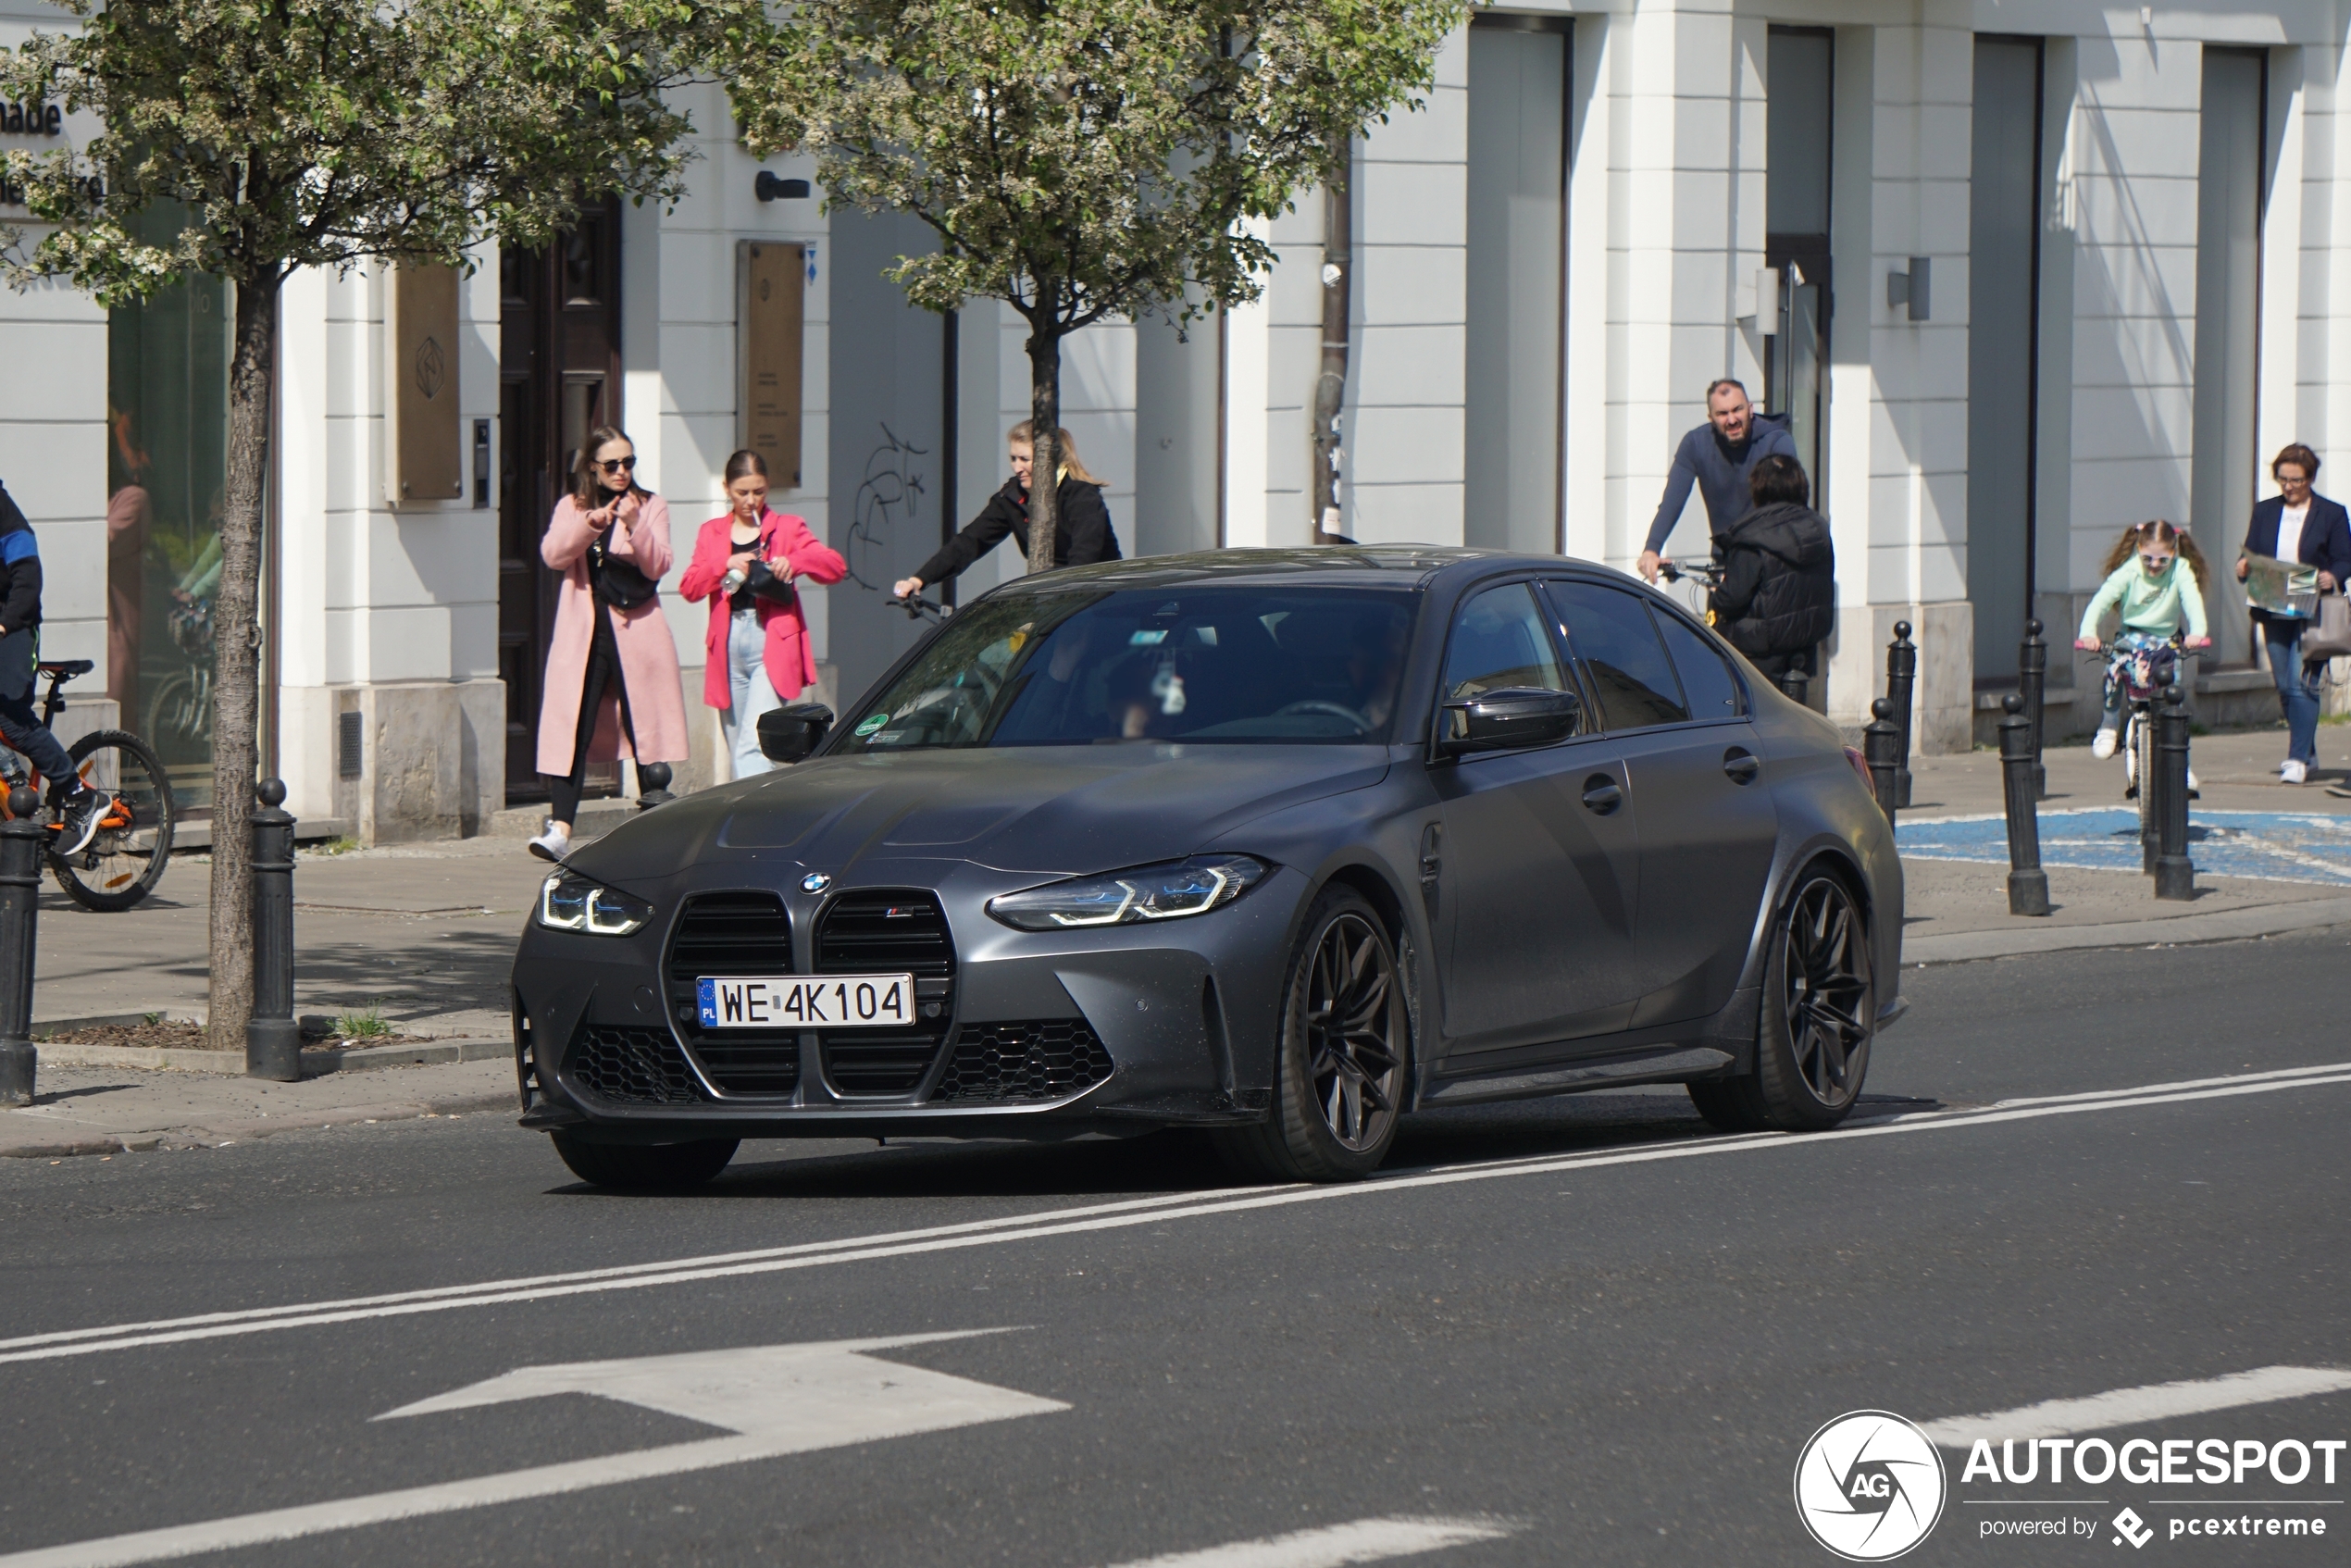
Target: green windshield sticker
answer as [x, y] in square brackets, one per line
[871, 723]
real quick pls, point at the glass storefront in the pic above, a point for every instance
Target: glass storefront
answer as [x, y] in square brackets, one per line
[167, 461]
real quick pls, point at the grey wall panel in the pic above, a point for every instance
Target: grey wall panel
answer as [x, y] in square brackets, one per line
[2230, 181]
[2004, 219]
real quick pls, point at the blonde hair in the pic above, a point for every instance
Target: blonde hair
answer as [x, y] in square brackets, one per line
[2158, 532]
[1065, 448]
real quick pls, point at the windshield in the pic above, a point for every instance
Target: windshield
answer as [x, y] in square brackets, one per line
[1227, 664]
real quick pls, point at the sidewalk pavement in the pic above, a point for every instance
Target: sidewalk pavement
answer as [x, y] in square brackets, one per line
[427, 933]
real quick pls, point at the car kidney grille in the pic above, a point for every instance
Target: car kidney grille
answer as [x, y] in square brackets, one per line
[734, 933]
[887, 931]
[630, 1066]
[1048, 1059]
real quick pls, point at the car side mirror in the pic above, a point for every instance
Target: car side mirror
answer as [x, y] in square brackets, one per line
[1509, 717]
[790, 732]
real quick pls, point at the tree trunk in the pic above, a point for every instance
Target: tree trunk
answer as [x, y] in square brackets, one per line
[1044, 423]
[236, 689]
[1330, 387]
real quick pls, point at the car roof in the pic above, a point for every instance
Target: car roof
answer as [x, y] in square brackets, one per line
[1347, 565]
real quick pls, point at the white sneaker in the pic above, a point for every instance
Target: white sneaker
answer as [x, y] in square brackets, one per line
[2294, 772]
[554, 841]
[2102, 744]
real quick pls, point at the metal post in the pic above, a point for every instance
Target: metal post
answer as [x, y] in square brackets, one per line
[2032, 683]
[273, 1042]
[652, 785]
[1879, 740]
[2028, 884]
[24, 841]
[1902, 676]
[2174, 873]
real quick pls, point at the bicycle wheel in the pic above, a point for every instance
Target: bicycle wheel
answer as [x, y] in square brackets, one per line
[122, 865]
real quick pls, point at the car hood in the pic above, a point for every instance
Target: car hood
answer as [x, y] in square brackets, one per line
[1068, 810]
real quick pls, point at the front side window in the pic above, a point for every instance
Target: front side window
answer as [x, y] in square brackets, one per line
[1232, 665]
[1500, 640]
[1613, 634]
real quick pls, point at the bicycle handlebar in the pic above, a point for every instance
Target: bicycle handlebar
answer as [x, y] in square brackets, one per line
[916, 606]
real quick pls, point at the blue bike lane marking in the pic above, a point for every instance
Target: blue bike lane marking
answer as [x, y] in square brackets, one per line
[2274, 846]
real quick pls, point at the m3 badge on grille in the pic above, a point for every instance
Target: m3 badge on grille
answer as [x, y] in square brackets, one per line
[830, 1001]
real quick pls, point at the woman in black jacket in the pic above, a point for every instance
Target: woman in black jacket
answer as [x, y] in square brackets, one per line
[1777, 601]
[2301, 526]
[1082, 533]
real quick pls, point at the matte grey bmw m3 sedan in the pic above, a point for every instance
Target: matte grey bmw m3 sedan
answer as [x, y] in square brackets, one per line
[1281, 844]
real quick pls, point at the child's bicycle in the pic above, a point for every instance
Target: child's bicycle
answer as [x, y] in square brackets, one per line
[127, 858]
[2143, 673]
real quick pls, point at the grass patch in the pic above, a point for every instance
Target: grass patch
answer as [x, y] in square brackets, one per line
[364, 1023]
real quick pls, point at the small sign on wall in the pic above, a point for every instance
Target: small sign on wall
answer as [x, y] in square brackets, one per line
[771, 283]
[425, 444]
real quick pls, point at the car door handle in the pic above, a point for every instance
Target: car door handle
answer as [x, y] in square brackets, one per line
[1741, 765]
[1601, 795]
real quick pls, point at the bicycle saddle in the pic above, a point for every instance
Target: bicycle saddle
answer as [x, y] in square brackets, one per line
[68, 666]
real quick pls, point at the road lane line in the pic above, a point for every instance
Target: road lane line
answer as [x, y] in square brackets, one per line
[1365, 1541]
[1192, 1206]
[2137, 1407]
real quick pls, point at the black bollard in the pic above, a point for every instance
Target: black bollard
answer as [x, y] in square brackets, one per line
[1793, 683]
[24, 842]
[1879, 741]
[273, 1042]
[2032, 683]
[1902, 676]
[2028, 884]
[2174, 873]
[652, 785]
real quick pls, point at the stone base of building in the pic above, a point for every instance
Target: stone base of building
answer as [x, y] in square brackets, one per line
[1943, 693]
[399, 760]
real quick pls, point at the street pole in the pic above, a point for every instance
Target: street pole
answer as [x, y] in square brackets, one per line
[1880, 741]
[2174, 873]
[2032, 683]
[652, 785]
[23, 843]
[2028, 884]
[273, 1042]
[1902, 676]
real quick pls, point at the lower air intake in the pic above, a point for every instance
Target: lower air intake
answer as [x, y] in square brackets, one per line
[631, 1067]
[1046, 1059]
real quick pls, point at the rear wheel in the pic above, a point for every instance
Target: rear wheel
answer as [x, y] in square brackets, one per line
[132, 849]
[1819, 1014]
[644, 1167]
[1344, 1049]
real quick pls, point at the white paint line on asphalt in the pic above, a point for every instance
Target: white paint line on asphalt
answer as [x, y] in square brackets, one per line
[1060, 1222]
[777, 1399]
[2137, 1407]
[1365, 1541]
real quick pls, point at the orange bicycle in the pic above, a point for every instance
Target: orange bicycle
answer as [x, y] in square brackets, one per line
[126, 859]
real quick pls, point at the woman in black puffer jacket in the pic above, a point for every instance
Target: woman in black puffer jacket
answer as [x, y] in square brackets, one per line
[1777, 601]
[1082, 534]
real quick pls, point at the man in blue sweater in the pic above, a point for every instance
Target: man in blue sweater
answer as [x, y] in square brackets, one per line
[1718, 456]
[19, 650]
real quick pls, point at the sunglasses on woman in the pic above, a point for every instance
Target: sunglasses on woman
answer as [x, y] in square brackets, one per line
[617, 465]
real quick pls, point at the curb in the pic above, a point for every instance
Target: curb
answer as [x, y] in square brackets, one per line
[2235, 925]
[243, 1131]
[314, 1063]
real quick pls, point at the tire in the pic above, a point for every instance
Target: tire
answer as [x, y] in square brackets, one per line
[1338, 1092]
[1820, 1015]
[644, 1167]
[122, 865]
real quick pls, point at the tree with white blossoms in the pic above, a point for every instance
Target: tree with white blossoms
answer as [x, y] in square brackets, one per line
[284, 134]
[1078, 159]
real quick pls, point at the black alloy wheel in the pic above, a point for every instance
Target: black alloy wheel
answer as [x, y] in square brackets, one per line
[1819, 1014]
[1346, 1045]
[644, 1167]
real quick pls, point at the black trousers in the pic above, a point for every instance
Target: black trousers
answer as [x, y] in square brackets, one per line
[20, 723]
[603, 665]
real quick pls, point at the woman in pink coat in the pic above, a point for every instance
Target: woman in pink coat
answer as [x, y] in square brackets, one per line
[759, 654]
[613, 686]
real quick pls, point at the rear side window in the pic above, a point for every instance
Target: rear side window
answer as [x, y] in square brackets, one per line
[1707, 680]
[1614, 637]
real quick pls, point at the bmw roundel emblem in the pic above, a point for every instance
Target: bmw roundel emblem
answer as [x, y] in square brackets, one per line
[814, 882]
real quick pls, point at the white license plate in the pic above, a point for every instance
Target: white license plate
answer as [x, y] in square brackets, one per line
[817, 1002]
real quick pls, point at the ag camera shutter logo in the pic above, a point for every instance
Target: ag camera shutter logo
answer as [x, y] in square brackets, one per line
[1869, 1486]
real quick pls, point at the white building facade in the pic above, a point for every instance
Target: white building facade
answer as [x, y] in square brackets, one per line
[2022, 272]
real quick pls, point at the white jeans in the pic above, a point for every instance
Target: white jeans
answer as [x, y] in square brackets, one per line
[748, 693]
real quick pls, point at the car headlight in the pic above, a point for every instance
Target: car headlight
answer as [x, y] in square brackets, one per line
[574, 904]
[1165, 891]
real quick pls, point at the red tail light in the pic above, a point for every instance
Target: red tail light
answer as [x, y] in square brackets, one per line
[1862, 766]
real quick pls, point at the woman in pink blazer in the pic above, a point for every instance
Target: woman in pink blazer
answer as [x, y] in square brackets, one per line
[613, 685]
[759, 655]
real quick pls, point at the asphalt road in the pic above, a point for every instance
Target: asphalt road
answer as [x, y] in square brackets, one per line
[1576, 1331]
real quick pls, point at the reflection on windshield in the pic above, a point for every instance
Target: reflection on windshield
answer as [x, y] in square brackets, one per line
[1232, 665]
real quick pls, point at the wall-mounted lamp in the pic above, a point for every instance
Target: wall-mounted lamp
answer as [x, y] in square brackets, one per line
[769, 188]
[1915, 288]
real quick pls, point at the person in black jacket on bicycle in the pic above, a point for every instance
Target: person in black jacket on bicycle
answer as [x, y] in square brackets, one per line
[19, 652]
[1777, 601]
[1082, 534]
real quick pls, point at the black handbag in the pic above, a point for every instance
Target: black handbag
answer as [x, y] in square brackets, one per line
[617, 583]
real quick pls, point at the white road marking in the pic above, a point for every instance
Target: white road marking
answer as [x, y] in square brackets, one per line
[779, 1399]
[1036, 1225]
[2137, 1407]
[1365, 1541]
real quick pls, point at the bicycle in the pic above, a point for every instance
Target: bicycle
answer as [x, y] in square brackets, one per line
[2142, 674]
[1704, 570]
[919, 608]
[124, 862]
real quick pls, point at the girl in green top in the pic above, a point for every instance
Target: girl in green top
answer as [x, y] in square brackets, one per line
[2154, 578]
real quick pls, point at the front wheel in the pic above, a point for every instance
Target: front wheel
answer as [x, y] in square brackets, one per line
[132, 849]
[645, 1167]
[1819, 1014]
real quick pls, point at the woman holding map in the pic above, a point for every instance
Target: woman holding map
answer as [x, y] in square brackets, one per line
[2297, 527]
